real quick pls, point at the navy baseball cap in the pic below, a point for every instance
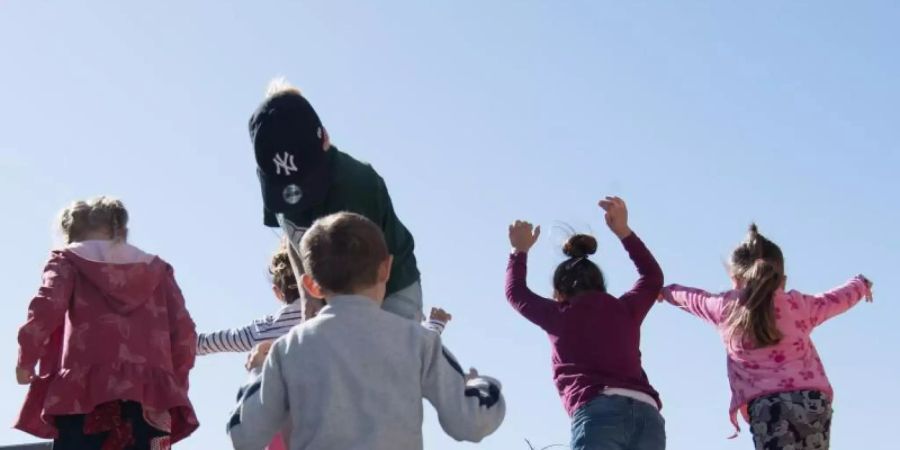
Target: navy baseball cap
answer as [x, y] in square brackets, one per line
[292, 165]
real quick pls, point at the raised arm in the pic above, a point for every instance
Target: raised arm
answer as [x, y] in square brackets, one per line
[643, 295]
[46, 314]
[696, 301]
[829, 304]
[540, 311]
[468, 409]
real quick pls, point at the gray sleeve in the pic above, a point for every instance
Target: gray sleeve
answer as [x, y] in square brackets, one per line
[467, 410]
[262, 405]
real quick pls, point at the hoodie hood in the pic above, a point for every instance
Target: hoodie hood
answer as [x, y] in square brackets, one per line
[126, 275]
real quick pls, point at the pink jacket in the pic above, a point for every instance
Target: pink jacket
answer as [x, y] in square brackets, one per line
[791, 365]
[108, 323]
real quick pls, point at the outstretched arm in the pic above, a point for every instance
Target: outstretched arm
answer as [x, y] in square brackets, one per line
[695, 301]
[243, 339]
[829, 304]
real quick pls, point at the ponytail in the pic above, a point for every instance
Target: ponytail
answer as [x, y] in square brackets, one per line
[759, 265]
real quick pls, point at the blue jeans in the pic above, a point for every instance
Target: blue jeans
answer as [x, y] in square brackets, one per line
[614, 422]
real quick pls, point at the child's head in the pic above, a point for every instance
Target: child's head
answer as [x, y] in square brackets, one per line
[757, 267]
[578, 274]
[102, 218]
[283, 282]
[345, 254]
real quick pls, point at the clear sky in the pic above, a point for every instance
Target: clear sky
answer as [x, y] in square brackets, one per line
[702, 115]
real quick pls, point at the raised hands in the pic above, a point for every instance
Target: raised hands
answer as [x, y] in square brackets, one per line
[523, 235]
[616, 216]
[439, 315]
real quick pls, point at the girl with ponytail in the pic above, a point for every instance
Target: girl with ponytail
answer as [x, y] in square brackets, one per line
[778, 381]
[595, 336]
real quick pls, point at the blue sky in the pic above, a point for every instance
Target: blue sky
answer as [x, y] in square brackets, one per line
[702, 115]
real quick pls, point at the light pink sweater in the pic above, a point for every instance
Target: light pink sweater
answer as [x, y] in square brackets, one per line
[791, 365]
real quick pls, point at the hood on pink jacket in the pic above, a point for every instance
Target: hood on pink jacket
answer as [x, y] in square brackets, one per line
[126, 275]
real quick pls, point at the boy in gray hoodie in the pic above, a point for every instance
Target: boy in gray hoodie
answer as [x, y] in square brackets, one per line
[354, 376]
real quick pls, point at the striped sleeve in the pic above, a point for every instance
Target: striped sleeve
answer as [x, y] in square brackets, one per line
[435, 325]
[243, 339]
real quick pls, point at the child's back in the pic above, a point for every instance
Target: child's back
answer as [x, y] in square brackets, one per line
[354, 377]
[121, 334]
[790, 364]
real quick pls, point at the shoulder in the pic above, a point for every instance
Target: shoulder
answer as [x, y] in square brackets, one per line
[350, 170]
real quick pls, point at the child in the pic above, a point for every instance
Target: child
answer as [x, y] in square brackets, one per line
[595, 336]
[114, 341]
[777, 379]
[243, 339]
[284, 285]
[303, 177]
[372, 369]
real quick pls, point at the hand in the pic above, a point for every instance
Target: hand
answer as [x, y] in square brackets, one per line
[24, 376]
[869, 284]
[616, 216]
[439, 315]
[472, 374]
[258, 355]
[523, 235]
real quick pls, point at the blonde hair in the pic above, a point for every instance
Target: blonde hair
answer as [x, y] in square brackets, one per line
[280, 85]
[99, 214]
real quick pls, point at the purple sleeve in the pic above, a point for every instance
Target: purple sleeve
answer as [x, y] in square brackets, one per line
[540, 311]
[825, 306]
[643, 295]
[696, 301]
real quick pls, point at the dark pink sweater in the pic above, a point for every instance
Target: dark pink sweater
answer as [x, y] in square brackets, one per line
[596, 337]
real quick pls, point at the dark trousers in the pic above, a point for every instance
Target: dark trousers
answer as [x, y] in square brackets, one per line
[73, 437]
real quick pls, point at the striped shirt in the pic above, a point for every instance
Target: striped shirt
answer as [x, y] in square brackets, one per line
[266, 329]
[243, 339]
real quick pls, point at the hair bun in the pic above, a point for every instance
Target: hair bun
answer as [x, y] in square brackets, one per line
[754, 230]
[580, 245]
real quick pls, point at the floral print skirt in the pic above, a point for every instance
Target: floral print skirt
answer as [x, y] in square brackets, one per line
[796, 420]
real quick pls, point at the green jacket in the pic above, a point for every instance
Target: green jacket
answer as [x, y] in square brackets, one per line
[357, 187]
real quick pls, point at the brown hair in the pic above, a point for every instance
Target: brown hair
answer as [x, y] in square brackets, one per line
[282, 274]
[758, 265]
[578, 274]
[342, 252]
[99, 214]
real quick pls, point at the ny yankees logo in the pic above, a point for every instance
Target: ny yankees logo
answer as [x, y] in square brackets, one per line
[286, 162]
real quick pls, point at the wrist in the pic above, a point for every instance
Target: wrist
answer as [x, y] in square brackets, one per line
[623, 233]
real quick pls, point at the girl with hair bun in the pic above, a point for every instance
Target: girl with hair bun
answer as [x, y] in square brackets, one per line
[595, 336]
[777, 379]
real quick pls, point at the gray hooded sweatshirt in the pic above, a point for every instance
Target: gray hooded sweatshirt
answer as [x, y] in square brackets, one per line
[354, 378]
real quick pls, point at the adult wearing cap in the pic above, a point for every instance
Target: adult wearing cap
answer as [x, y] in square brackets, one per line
[303, 177]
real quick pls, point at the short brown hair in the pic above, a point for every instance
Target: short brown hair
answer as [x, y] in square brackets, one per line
[342, 252]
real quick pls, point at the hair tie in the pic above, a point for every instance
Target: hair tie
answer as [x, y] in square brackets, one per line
[575, 262]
